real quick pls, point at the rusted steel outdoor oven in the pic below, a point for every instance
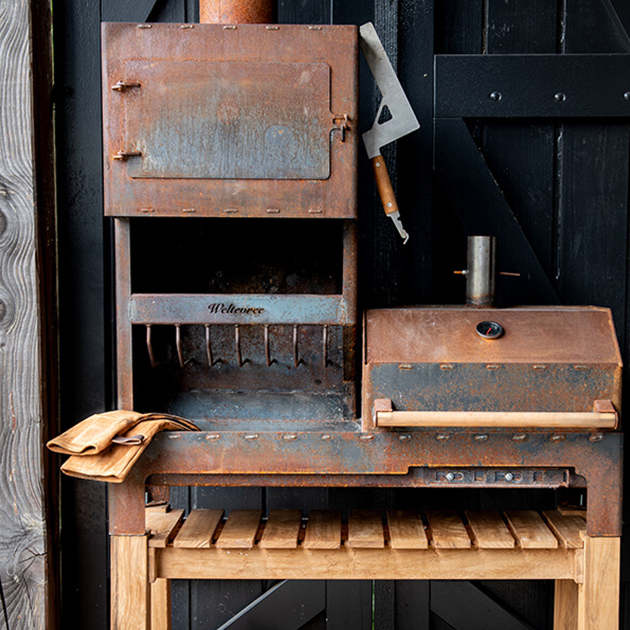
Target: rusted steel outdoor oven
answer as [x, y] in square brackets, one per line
[230, 171]
[230, 166]
[513, 369]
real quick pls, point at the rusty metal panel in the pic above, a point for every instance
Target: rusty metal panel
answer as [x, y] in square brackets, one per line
[491, 387]
[290, 62]
[398, 459]
[267, 373]
[246, 308]
[547, 359]
[229, 120]
[537, 335]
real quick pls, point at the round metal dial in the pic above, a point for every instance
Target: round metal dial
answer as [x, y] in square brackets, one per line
[489, 330]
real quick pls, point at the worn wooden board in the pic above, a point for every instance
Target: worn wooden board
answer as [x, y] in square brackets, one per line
[530, 531]
[23, 544]
[162, 525]
[567, 528]
[323, 530]
[198, 529]
[367, 564]
[448, 531]
[489, 530]
[406, 530]
[130, 584]
[281, 530]
[240, 530]
[365, 529]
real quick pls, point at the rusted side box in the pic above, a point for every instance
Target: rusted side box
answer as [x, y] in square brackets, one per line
[552, 359]
[239, 121]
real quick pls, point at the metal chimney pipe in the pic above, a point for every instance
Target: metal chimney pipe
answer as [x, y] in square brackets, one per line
[480, 273]
[236, 11]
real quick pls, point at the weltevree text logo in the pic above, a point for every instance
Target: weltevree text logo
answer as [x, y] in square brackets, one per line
[230, 309]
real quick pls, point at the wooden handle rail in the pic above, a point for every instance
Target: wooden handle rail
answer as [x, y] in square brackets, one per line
[498, 419]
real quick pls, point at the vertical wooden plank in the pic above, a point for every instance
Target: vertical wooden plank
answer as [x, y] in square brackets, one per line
[412, 605]
[304, 11]
[415, 151]
[161, 604]
[349, 605]
[44, 146]
[458, 30]
[124, 345]
[598, 597]
[384, 605]
[459, 27]
[593, 221]
[521, 155]
[123, 11]
[565, 609]
[168, 11]
[192, 11]
[601, 28]
[23, 546]
[83, 378]
[130, 593]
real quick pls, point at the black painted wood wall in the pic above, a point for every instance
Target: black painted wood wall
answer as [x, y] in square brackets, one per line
[565, 181]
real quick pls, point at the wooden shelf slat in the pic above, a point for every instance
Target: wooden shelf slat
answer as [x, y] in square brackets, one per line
[198, 529]
[448, 531]
[365, 529]
[566, 528]
[530, 530]
[490, 530]
[406, 530]
[323, 530]
[240, 530]
[281, 530]
[162, 525]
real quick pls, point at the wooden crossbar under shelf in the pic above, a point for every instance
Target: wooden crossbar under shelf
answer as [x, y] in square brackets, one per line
[370, 545]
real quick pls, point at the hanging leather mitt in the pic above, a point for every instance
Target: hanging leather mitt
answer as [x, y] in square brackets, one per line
[105, 446]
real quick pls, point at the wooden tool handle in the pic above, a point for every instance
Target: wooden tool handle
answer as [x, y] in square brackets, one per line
[384, 185]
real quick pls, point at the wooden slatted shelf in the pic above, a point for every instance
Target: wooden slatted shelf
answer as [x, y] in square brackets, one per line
[370, 545]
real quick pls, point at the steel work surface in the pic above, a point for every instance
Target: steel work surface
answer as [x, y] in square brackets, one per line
[394, 459]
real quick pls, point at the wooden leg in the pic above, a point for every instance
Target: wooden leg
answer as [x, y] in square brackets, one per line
[161, 604]
[131, 596]
[565, 612]
[598, 595]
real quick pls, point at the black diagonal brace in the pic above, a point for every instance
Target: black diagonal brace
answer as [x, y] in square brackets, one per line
[482, 208]
[286, 606]
[125, 11]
